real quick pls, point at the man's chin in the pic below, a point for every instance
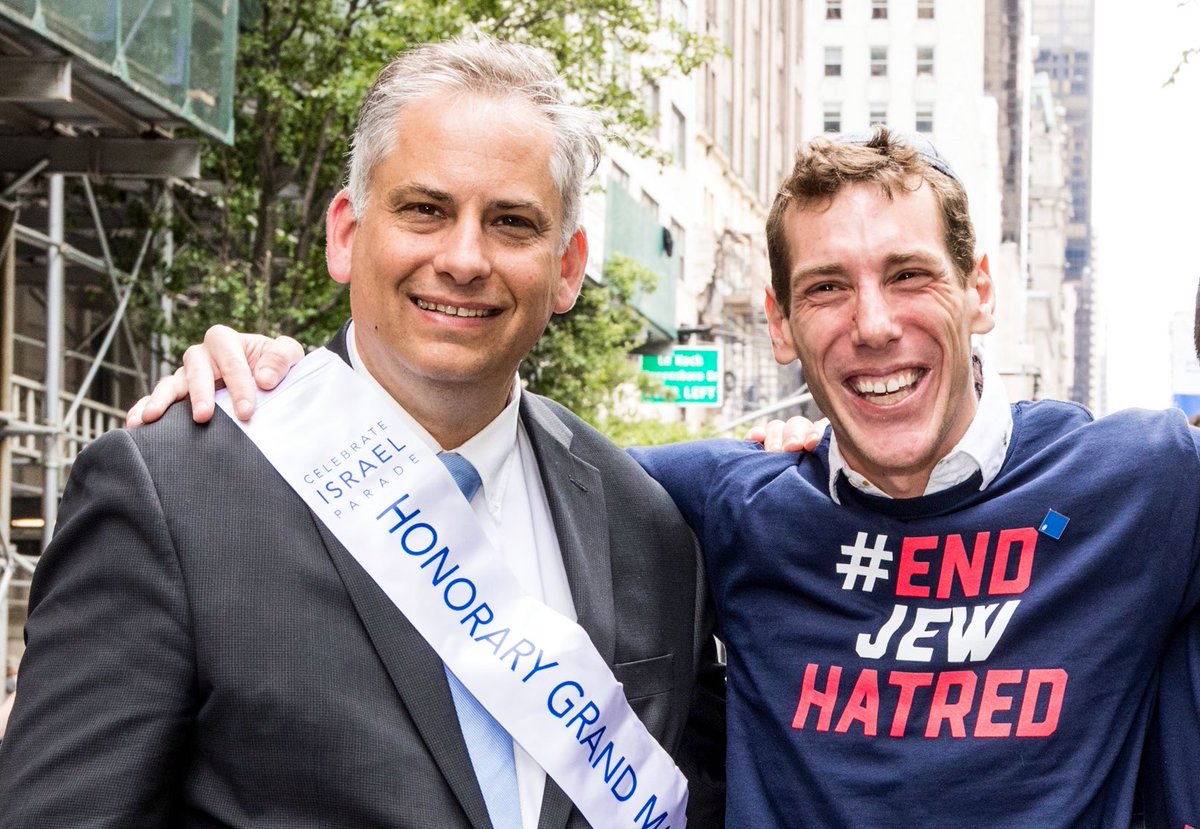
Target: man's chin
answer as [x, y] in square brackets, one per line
[890, 456]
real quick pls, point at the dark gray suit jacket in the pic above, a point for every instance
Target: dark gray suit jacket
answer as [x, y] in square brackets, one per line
[203, 653]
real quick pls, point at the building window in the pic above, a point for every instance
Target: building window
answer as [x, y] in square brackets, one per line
[833, 61]
[833, 118]
[620, 176]
[878, 61]
[1079, 202]
[678, 247]
[1076, 258]
[924, 60]
[879, 9]
[725, 127]
[680, 143]
[833, 9]
[652, 99]
[924, 119]
[752, 166]
[681, 13]
[925, 9]
[651, 204]
[710, 102]
[878, 114]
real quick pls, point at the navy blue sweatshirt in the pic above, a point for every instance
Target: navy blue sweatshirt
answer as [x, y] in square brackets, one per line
[970, 658]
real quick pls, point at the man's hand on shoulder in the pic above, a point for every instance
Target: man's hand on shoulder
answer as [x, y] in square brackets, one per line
[796, 434]
[239, 362]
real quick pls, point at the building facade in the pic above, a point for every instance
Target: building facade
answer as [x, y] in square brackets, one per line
[961, 72]
[1051, 304]
[730, 129]
[1065, 51]
[916, 65]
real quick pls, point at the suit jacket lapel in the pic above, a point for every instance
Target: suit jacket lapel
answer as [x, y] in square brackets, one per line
[576, 497]
[419, 677]
[575, 494]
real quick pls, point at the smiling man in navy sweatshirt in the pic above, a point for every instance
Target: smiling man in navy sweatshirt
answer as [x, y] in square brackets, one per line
[955, 612]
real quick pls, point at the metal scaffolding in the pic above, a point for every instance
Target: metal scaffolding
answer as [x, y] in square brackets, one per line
[92, 92]
[46, 424]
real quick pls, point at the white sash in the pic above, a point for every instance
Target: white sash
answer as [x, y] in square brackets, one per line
[382, 492]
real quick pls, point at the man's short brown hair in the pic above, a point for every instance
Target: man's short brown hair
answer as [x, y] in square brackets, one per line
[827, 164]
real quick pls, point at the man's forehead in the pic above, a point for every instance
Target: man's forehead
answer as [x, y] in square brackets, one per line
[523, 120]
[860, 223]
[506, 134]
[914, 207]
[892, 193]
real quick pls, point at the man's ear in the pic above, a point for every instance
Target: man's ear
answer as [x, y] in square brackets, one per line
[983, 316]
[574, 263]
[340, 226]
[781, 332]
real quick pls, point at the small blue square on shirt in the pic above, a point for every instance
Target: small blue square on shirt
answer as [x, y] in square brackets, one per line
[1053, 524]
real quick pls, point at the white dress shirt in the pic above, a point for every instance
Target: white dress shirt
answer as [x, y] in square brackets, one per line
[982, 448]
[513, 512]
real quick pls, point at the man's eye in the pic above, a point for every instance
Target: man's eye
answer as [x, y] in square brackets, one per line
[517, 222]
[421, 209]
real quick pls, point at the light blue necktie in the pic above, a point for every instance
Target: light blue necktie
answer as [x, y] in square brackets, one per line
[488, 744]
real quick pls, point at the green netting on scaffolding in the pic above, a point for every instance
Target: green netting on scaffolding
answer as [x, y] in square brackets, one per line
[178, 52]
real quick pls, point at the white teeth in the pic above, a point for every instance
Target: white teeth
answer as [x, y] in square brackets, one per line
[892, 384]
[452, 310]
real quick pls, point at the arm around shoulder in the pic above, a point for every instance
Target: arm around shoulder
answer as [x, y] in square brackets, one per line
[686, 471]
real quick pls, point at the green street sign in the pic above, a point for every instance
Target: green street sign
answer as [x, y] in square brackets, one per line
[691, 376]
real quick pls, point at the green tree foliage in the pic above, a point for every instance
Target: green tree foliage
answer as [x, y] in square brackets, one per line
[583, 356]
[1184, 59]
[249, 241]
[647, 432]
[582, 360]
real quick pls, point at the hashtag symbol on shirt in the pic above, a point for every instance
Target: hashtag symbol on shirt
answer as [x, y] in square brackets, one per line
[865, 562]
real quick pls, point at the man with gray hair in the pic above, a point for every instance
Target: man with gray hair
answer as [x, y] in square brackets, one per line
[206, 647]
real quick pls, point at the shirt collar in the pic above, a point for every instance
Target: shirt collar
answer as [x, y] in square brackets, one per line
[488, 450]
[982, 448]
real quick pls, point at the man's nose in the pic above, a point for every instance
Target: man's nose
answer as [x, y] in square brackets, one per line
[463, 254]
[874, 323]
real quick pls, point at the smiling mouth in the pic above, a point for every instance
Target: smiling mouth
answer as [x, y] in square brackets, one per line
[889, 389]
[454, 310]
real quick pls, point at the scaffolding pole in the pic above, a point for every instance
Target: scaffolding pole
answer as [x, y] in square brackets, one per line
[8, 256]
[55, 279]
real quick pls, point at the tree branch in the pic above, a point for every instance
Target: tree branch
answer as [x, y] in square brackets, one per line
[1188, 54]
